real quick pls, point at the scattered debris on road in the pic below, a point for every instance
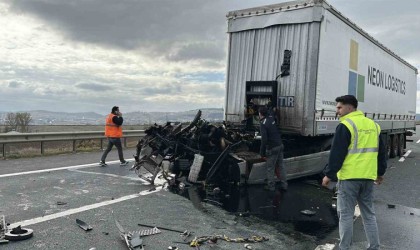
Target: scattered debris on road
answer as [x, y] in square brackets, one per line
[327, 246]
[185, 234]
[248, 246]
[308, 212]
[14, 234]
[83, 225]
[18, 233]
[197, 241]
[391, 206]
[3, 230]
[132, 239]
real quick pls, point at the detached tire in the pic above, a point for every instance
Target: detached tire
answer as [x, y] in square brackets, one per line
[19, 234]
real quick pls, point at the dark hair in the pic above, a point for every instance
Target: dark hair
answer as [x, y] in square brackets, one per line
[263, 111]
[347, 99]
[115, 108]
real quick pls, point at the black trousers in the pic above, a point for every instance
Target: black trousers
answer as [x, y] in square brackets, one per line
[111, 143]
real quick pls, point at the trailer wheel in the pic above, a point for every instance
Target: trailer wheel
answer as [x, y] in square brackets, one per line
[392, 146]
[401, 144]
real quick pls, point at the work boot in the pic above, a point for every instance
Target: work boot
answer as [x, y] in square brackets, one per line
[124, 163]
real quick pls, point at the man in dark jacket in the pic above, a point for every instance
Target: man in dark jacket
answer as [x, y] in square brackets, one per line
[271, 148]
[358, 161]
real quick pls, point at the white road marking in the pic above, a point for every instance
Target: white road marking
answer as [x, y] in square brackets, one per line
[402, 159]
[356, 212]
[407, 153]
[146, 192]
[327, 246]
[158, 181]
[111, 175]
[80, 209]
[418, 141]
[55, 169]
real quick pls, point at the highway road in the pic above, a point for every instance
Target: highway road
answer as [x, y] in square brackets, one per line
[48, 194]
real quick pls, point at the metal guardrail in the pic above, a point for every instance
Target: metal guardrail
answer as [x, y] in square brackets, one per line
[11, 138]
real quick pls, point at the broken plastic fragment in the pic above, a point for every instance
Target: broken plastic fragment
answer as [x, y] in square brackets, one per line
[308, 212]
[83, 225]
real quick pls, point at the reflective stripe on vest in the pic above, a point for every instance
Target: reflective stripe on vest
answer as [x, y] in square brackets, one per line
[356, 150]
[112, 129]
[361, 161]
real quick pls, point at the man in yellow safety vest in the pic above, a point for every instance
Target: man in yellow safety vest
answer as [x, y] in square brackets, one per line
[358, 160]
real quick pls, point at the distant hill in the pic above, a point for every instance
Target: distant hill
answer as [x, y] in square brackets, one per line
[42, 117]
[211, 115]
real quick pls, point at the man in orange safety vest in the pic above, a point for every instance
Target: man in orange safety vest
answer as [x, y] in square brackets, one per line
[113, 130]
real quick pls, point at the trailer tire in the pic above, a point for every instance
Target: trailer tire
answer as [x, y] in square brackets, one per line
[392, 146]
[401, 144]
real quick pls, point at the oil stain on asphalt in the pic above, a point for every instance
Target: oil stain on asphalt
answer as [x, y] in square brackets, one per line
[305, 207]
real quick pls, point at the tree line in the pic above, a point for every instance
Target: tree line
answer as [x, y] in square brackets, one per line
[18, 122]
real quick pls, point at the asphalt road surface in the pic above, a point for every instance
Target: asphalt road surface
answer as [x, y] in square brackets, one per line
[48, 194]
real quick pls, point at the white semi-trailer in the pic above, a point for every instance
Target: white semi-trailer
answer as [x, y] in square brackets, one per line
[299, 56]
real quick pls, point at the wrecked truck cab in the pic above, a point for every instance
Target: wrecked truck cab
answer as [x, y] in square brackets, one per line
[178, 146]
[209, 154]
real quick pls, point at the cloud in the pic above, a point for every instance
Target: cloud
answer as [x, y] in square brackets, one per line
[93, 86]
[198, 50]
[169, 90]
[154, 27]
[393, 24]
[129, 25]
[152, 54]
[14, 84]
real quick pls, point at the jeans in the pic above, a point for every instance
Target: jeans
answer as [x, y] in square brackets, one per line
[111, 143]
[275, 158]
[350, 193]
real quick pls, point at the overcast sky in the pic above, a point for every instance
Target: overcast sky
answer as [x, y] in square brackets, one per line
[146, 55]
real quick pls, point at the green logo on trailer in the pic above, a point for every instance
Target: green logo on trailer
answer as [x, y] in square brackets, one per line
[356, 81]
